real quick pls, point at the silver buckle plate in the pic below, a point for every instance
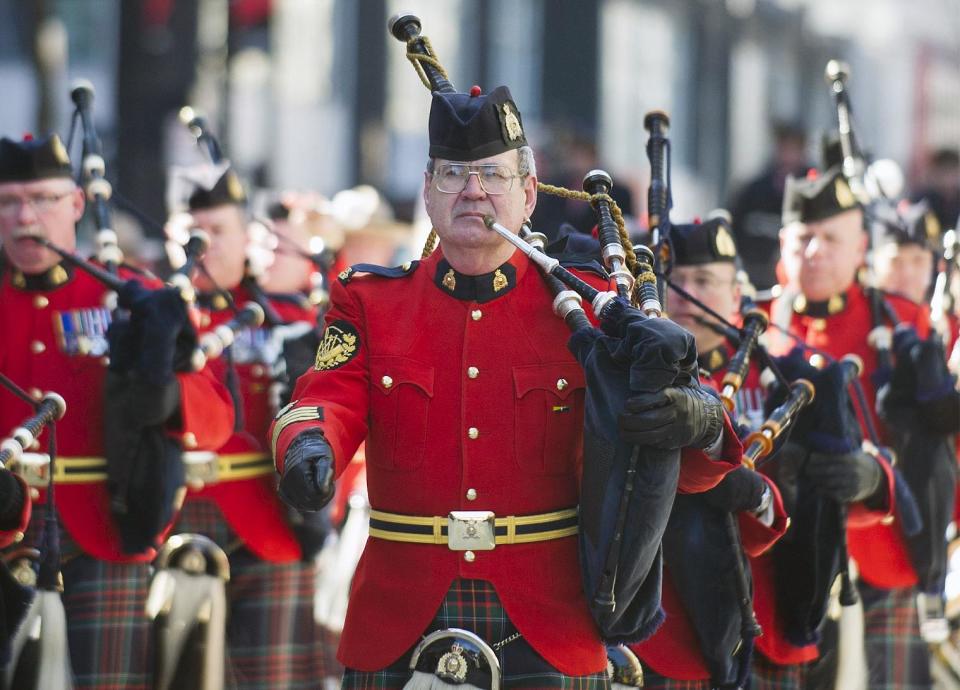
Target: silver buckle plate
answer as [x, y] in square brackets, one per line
[200, 468]
[473, 530]
[34, 469]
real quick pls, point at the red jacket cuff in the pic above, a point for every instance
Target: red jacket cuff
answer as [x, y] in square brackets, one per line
[758, 537]
[699, 472]
[206, 412]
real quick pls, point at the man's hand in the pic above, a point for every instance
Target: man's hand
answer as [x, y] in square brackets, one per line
[845, 477]
[675, 417]
[307, 480]
[740, 489]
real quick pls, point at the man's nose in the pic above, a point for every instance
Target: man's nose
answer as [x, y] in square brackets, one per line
[473, 189]
[26, 213]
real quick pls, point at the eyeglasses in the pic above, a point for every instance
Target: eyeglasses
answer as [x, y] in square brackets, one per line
[41, 203]
[494, 179]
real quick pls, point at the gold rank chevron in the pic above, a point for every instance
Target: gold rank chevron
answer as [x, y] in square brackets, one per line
[292, 416]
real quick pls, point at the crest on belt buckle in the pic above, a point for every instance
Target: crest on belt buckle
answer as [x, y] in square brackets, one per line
[340, 344]
[452, 665]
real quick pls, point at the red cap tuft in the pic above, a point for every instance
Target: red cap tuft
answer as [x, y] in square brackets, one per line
[696, 220]
[28, 136]
[812, 174]
[595, 232]
[475, 91]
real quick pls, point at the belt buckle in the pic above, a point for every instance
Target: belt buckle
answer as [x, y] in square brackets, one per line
[473, 530]
[34, 469]
[200, 468]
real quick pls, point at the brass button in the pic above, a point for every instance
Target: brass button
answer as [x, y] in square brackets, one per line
[473, 432]
[189, 440]
[18, 537]
[258, 370]
[105, 361]
[887, 520]
[471, 494]
[473, 372]
[204, 320]
[34, 494]
[36, 347]
[561, 384]
[36, 393]
[469, 556]
[40, 301]
[476, 314]
[387, 382]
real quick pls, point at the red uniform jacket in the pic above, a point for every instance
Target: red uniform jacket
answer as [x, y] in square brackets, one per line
[674, 651]
[876, 545]
[464, 405]
[55, 340]
[250, 504]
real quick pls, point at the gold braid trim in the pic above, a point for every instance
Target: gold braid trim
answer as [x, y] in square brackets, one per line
[430, 244]
[631, 257]
[431, 59]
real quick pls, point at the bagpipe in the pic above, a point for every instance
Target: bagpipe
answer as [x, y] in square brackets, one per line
[33, 636]
[915, 389]
[626, 492]
[292, 347]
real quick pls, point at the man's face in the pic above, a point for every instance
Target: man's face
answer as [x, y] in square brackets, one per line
[821, 258]
[289, 271]
[905, 268]
[714, 284]
[45, 208]
[226, 257]
[458, 217]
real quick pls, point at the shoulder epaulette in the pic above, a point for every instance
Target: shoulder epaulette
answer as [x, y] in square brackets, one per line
[383, 271]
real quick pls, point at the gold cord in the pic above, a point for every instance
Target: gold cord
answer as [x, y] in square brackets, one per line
[431, 59]
[430, 244]
[631, 257]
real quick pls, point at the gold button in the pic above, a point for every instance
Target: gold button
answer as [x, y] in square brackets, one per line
[473, 432]
[36, 393]
[34, 494]
[40, 301]
[471, 494]
[257, 370]
[561, 384]
[105, 361]
[473, 372]
[36, 347]
[387, 382]
[887, 520]
[18, 537]
[469, 556]
[476, 314]
[204, 320]
[189, 440]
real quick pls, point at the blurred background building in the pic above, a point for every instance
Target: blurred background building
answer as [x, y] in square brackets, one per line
[314, 94]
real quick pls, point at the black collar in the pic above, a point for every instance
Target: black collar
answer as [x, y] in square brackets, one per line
[820, 310]
[481, 288]
[51, 279]
[715, 359]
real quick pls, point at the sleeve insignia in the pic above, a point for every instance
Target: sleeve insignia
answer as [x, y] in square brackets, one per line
[340, 344]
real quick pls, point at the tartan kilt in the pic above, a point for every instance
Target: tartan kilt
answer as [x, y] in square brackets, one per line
[767, 675]
[897, 657]
[273, 640]
[474, 605]
[108, 632]
[654, 681]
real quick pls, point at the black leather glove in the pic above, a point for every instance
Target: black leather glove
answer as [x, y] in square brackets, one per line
[11, 500]
[741, 489]
[307, 480]
[845, 477]
[675, 417]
